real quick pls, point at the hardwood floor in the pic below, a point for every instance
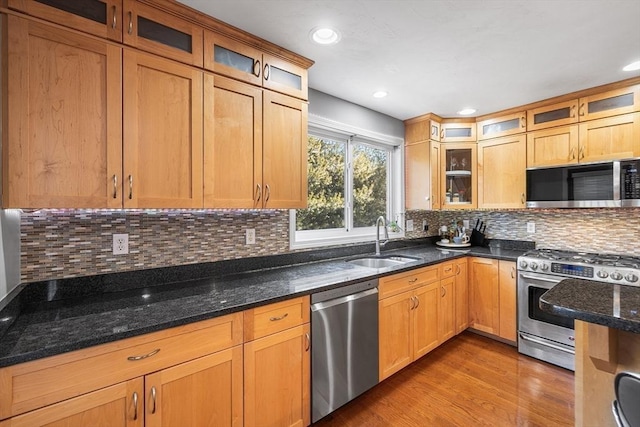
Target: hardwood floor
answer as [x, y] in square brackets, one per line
[468, 381]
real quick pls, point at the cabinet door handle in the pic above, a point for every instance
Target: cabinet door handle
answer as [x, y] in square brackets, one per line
[307, 340]
[513, 272]
[581, 156]
[275, 319]
[115, 186]
[266, 71]
[153, 399]
[572, 154]
[581, 110]
[135, 405]
[413, 303]
[522, 200]
[258, 192]
[444, 291]
[130, 187]
[114, 22]
[268, 195]
[457, 270]
[130, 28]
[441, 133]
[256, 68]
[573, 111]
[144, 356]
[523, 122]
[417, 302]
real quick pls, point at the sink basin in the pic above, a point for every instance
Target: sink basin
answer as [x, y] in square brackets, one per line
[382, 262]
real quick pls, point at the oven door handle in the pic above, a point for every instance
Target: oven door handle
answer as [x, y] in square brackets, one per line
[542, 279]
[547, 344]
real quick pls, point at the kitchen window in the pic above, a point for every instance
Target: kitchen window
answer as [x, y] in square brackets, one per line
[352, 180]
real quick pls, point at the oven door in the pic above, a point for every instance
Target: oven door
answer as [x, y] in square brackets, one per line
[543, 335]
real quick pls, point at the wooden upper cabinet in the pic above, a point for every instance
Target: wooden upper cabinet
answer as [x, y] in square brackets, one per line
[458, 175]
[552, 147]
[162, 133]
[502, 126]
[284, 152]
[458, 132]
[563, 113]
[102, 18]
[417, 176]
[63, 137]
[501, 172]
[233, 58]
[606, 104]
[232, 144]
[155, 31]
[610, 138]
[422, 128]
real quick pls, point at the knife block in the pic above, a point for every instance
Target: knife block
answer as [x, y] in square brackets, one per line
[477, 238]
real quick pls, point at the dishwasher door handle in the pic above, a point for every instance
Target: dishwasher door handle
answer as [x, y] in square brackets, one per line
[341, 300]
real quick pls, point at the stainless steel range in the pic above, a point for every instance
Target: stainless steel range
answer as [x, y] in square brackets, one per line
[546, 336]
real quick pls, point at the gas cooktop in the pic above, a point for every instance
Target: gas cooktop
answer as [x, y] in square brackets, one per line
[609, 268]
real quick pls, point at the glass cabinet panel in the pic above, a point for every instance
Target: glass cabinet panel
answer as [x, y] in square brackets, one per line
[157, 32]
[610, 103]
[457, 132]
[563, 113]
[233, 59]
[458, 182]
[94, 10]
[506, 125]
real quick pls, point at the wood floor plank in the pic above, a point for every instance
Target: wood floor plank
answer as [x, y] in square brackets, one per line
[469, 381]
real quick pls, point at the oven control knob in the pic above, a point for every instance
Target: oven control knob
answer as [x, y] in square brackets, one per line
[616, 276]
[533, 266]
[603, 274]
[544, 267]
[631, 278]
[523, 264]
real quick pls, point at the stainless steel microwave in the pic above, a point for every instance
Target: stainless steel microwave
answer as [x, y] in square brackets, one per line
[595, 185]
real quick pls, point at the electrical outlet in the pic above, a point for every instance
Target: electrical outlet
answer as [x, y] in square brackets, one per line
[531, 227]
[120, 244]
[465, 223]
[409, 225]
[250, 236]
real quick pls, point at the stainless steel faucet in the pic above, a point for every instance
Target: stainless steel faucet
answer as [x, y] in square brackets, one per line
[386, 233]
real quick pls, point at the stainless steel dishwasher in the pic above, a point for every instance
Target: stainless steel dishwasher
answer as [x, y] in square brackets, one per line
[344, 345]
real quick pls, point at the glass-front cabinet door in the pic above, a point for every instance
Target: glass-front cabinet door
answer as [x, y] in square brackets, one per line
[459, 175]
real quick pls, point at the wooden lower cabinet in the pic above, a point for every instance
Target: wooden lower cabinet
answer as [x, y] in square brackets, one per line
[426, 319]
[108, 407]
[395, 332]
[461, 295]
[203, 392]
[447, 309]
[277, 379]
[492, 297]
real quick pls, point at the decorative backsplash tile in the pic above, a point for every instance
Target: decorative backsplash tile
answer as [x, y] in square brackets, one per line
[589, 230]
[58, 244]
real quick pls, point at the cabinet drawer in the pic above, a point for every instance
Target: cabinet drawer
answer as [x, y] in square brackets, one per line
[42, 382]
[446, 269]
[398, 283]
[262, 321]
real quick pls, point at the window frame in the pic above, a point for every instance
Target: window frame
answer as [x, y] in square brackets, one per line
[324, 128]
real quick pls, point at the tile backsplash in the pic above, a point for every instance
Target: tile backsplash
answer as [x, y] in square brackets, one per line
[589, 230]
[58, 244]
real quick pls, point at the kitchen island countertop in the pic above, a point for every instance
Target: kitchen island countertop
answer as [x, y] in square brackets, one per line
[614, 306]
[47, 325]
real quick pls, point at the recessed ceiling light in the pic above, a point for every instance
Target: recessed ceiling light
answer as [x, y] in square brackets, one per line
[323, 35]
[380, 94]
[632, 67]
[466, 111]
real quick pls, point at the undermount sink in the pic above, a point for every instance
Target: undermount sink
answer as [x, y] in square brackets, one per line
[382, 262]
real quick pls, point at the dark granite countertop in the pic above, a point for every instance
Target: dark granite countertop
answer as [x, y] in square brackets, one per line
[615, 306]
[57, 316]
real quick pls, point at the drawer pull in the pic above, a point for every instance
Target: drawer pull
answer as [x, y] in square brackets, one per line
[153, 399]
[135, 405]
[136, 358]
[275, 319]
[412, 281]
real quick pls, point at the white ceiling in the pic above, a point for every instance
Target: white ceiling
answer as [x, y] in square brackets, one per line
[442, 55]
